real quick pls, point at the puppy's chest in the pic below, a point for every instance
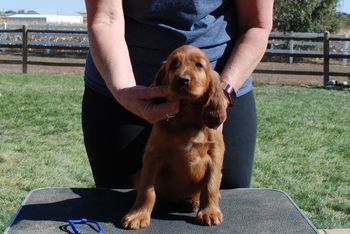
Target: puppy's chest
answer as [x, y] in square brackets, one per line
[195, 149]
[187, 145]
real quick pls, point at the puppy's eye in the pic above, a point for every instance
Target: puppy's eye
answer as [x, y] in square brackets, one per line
[174, 64]
[199, 65]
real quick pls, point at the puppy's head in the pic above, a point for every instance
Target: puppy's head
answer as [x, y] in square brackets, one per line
[185, 71]
[189, 76]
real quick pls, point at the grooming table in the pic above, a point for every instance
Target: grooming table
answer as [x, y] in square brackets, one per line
[245, 211]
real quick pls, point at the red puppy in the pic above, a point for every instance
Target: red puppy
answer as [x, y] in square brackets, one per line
[184, 155]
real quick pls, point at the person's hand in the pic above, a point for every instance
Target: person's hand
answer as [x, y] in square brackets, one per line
[139, 100]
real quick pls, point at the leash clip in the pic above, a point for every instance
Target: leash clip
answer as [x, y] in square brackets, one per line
[76, 230]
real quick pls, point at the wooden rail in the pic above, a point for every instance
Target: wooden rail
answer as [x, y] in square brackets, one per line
[325, 39]
[325, 54]
[25, 46]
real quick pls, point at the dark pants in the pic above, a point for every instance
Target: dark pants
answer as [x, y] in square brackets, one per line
[115, 139]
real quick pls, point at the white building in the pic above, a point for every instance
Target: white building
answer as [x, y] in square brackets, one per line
[49, 19]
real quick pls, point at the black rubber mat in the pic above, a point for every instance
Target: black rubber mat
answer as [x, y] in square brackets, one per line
[245, 211]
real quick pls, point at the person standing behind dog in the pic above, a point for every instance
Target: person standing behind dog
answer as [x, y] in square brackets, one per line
[129, 40]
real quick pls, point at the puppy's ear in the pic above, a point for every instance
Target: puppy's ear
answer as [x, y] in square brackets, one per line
[158, 81]
[160, 77]
[214, 110]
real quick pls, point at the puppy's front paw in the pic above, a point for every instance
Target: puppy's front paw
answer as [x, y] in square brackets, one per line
[210, 216]
[136, 220]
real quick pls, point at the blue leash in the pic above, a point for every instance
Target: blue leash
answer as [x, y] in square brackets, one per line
[76, 230]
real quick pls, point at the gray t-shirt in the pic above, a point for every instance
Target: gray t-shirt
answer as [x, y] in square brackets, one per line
[154, 28]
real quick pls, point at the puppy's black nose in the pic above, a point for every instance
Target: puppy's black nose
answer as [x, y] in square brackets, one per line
[183, 81]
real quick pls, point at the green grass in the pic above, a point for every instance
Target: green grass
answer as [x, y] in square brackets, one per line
[41, 141]
[303, 145]
[303, 148]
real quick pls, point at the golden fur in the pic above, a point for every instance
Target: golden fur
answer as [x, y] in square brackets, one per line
[184, 155]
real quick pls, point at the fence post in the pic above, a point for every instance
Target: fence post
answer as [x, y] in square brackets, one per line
[326, 37]
[48, 40]
[345, 48]
[24, 48]
[5, 34]
[291, 48]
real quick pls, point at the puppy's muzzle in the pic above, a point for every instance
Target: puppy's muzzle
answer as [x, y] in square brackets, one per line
[183, 81]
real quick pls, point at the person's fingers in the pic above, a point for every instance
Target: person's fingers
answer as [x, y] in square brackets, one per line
[139, 100]
[157, 112]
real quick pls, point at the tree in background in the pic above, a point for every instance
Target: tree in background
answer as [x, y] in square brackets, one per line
[307, 16]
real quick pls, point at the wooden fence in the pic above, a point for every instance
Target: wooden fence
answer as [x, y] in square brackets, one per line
[275, 38]
[325, 39]
[25, 46]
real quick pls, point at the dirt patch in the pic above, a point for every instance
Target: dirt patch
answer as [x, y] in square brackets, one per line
[276, 73]
[11, 68]
[17, 68]
[266, 72]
